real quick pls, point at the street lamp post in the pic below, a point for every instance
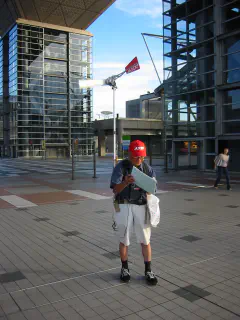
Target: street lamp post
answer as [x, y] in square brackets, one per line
[111, 81]
[114, 127]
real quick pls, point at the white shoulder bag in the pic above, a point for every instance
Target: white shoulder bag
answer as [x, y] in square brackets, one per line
[153, 209]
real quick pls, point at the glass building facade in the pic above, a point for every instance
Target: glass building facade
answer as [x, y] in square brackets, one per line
[201, 81]
[44, 108]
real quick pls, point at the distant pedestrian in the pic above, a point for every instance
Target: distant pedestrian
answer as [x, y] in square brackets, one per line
[221, 164]
[131, 209]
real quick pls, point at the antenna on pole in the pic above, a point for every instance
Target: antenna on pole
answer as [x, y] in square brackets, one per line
[155, 36]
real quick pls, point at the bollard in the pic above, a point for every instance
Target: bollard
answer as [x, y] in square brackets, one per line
[150, 155]
[73, 164]
[94, 161]
[150, 159]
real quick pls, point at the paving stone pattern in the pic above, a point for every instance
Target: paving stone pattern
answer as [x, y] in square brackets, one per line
[190, 214]
[11, 277]
[190, 238]
[41, 219]
[68, 267]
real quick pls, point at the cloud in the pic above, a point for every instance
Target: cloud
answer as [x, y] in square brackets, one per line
[130, 86]
[152, 8]
[158, 25]
[109, 65]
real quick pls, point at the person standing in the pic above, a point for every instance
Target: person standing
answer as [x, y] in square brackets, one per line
[221, 164]
[131, 209]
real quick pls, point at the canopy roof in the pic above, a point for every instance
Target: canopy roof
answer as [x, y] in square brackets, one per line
[78, 14]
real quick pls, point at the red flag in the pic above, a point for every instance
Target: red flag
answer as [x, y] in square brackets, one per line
[132, 66]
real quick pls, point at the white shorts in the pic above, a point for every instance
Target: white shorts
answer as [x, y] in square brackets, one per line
[132, 215]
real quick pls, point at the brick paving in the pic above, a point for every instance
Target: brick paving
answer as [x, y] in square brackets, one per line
[37, 182]
[74, 275]
[51, 197]
[59, 259]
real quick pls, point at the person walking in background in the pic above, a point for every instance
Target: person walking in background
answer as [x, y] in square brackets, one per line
[221, 164]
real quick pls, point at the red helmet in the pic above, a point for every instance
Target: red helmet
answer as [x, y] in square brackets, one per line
[137, 148]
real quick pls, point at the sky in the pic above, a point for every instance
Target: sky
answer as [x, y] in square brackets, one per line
[117, 40]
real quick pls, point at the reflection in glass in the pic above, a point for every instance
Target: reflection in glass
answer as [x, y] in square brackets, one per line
[232, 59]
[43, 89]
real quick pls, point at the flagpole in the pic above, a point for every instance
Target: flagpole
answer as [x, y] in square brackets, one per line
[114, 126]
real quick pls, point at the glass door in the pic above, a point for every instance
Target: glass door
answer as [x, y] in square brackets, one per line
[193, 154]
[186, 154]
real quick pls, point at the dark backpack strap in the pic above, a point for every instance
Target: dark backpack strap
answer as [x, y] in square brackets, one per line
[145, 168]
[127, 167]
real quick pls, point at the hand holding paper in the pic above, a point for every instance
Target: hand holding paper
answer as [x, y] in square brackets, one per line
[143, 181]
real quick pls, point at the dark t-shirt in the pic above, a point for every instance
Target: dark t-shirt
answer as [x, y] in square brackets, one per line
[132, 192]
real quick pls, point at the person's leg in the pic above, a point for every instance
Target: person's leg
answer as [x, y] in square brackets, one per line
[123, 250]
[227, 178]
[124, 221]
[219, 175]
[146, 252]
[143, 234]
[147, 255]
[125, 274]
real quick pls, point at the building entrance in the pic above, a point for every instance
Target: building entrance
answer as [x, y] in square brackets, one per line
[187, 154]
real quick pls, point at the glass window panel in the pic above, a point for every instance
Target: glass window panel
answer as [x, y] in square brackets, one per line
[193, 54]
[166, 20]
[167, 62]
[166, 6]
[181, 26]
[55, 35]
[55, 50]
[167, 32]
[233, 61]
[232, 127]
[180, 2]
[167, 74]
[232, 44]
[232, 96]
[231, 11]
[232, 24]
[210, 129]
[233, 76]
[210, 112]
[167, 47]
[231, 110]
[55, 67]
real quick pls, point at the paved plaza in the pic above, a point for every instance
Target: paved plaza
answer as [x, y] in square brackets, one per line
[59, 256]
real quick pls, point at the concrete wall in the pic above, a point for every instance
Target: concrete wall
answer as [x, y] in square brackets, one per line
[148, 130]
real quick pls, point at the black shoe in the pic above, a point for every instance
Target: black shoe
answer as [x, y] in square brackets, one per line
[125, 275]
[151, 278]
